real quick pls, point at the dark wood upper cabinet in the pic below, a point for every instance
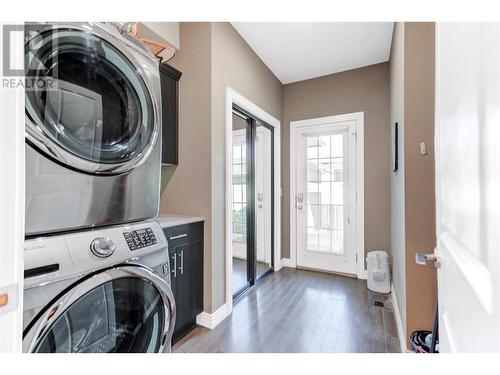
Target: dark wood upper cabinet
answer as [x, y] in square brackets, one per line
[169, 78]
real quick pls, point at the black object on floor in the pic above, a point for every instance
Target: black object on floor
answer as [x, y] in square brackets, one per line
[426, 341]
[418, 342]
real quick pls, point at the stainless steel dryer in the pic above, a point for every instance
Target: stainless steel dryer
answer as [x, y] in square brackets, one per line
[92, 128]
[100, 291]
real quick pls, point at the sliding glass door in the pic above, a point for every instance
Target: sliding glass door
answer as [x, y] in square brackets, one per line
[239, 205]
[252, 200]
[263, 199]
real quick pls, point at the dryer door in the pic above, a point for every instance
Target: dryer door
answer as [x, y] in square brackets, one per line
[127, 309]
[89, 103]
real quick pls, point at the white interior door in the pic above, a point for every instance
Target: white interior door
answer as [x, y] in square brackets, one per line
[12, 146]
[325, 201]
[468, 186]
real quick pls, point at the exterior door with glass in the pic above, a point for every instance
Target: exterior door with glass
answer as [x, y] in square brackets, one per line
[325, 200]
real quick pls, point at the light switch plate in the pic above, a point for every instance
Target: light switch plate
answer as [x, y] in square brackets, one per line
[423, 148]
[8, 299]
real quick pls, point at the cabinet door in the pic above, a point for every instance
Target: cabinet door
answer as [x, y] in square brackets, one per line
[194, 260]
[189, 281]
[173, 270]
[169, 78]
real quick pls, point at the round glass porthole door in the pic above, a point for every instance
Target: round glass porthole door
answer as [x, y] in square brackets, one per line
[122, 315]
[91, 106]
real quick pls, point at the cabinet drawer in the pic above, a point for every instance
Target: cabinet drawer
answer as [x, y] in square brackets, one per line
[185, 233]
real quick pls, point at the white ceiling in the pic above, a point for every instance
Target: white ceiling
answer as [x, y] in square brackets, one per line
[295, 51]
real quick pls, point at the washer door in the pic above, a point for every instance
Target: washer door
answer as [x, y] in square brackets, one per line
[126, 309]
[91, 107]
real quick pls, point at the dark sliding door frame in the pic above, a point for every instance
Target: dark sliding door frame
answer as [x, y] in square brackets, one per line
[251, 134]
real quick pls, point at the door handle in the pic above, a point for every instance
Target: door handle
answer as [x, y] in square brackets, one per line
[181, 267]
[179, 236]
[174, 268]
[422, 259]
[299, 198]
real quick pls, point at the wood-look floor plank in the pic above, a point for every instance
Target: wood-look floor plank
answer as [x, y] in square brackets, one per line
[236, 335]
[270, 318]
[300, 311]
[265, 291]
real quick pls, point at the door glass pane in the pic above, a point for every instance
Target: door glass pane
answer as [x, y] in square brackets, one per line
[239, 204]
[97, 106]
[325, 193]
[122, 316]
[263, 199]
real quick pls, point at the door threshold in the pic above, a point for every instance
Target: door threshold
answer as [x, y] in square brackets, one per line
[259, 281]
[351, 275]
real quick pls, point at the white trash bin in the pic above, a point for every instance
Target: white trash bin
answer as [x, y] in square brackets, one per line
[379, 278]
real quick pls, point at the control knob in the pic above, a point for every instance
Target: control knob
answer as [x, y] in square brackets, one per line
[102, 247]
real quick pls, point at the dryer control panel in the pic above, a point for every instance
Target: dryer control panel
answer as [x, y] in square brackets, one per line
[140, 238]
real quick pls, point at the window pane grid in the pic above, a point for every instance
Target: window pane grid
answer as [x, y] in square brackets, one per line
[239, 193]
[325, 193]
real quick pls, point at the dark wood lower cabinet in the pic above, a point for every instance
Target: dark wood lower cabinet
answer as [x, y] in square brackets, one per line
[186, 263]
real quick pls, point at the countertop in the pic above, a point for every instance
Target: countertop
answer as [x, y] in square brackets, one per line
[171, 220]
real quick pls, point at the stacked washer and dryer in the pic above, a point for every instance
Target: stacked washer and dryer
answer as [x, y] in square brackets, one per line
[97, 277]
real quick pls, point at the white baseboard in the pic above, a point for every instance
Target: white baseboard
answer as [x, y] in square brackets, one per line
[287, 262]
[212, 320]
[363, 275]
[399, 322]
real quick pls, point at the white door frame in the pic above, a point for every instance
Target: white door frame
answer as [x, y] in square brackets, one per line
[234, 98]
[358, 118]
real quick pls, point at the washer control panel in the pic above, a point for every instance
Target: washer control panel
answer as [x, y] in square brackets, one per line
[140, 238]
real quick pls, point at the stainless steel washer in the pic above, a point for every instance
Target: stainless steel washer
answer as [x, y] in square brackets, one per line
[117, 301]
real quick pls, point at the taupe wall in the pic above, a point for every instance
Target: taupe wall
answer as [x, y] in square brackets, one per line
[213, 56]
[234, 64]
[365, 89]
[420, 209]
[189, 188]
[412, 188]
[397, 179]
